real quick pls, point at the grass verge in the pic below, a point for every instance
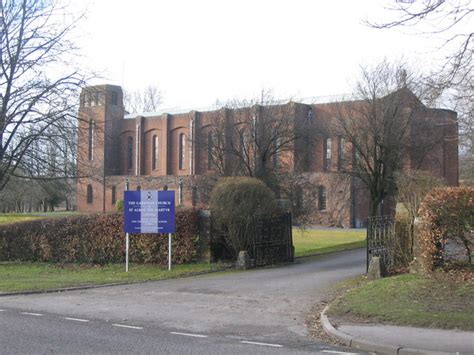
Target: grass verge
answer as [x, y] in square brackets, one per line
[316, 241]
[20, 277]
[410, 300]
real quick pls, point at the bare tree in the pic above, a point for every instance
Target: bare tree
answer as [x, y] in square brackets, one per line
[451, 22]
[435, 17]
[465, 107]
[253, 137]
[379, 124]
[140, 101]
[38, 89]
[412, 187]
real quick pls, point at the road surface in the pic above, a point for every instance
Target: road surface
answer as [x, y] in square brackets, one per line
[256, 311]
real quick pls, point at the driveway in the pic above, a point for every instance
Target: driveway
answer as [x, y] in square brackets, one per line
[267, 305]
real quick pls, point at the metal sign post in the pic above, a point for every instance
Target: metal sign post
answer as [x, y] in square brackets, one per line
[169, 251]
[127, 239]
[127, 243]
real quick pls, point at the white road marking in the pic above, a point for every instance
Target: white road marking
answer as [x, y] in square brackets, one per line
[2, 310]
[263, 344]
[190, 335]
[32, 314]
[126, 326]
[338, 352]
[76, 319]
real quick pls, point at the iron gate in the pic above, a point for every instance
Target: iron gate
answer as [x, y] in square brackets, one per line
[380, 236]
[272, 240]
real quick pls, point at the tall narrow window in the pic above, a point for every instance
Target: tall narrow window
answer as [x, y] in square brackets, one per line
[114, 98]
[242, 144]
[327, 153]
[129, 153]
[154, 153]
[210, 150]
[276, 155]
[90, 196]
[322, 198]
[90, 145]
[180, 192]
[356, 158]
[182, 150]
[197, 199]
[342, 153]
[95, 98]
[114, 195]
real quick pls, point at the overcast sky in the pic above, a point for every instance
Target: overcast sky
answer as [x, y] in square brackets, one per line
[199, 51]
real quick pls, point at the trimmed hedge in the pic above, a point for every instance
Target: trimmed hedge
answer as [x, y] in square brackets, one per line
[96, 239]
[446, 228]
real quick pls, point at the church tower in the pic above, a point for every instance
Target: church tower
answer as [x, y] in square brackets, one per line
[101, 112]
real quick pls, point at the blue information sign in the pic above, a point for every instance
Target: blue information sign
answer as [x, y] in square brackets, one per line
[149, 211]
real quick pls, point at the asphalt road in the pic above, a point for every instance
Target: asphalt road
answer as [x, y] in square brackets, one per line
[257, 311]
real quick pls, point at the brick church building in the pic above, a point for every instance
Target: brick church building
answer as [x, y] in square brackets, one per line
[154, 150]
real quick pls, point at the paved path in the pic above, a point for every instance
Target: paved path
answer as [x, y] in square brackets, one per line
[436, 340]
[263, 306]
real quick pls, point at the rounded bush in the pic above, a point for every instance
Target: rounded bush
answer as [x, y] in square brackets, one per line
[234, 203]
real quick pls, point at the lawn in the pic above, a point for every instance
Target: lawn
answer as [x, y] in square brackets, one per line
[410, 300]
[42, 276]
[7, 218]
[315, 241]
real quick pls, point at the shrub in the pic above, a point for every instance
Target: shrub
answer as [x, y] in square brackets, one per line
[412, 187]
[447, 219]
[401, 244]
[96, 239]
[119, 206]
[234, 203]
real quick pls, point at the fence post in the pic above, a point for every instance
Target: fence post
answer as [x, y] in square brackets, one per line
[367, 245]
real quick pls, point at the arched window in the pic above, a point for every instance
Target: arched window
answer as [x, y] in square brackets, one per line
[327, 153]
[182, 150]
[322, 198]
[154, 153]
[129, 153]
[298, 203]
[90, 195]
[90, 143]
[114, 195]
